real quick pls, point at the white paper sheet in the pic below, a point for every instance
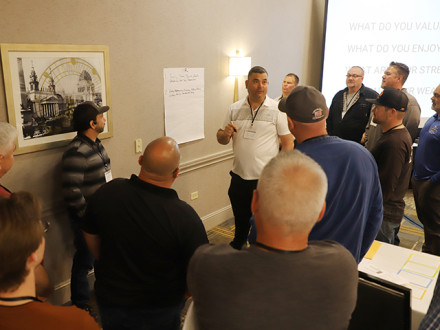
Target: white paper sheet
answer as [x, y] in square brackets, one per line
[184, 91]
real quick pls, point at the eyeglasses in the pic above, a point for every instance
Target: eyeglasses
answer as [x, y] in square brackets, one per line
[353, 76]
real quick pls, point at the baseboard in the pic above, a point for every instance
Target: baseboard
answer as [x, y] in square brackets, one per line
[61, 294]
[217, 217]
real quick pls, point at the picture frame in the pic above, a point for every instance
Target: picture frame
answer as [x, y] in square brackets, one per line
[43, 85]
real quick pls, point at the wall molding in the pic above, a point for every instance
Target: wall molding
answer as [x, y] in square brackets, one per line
[217, 217]
[197, 163]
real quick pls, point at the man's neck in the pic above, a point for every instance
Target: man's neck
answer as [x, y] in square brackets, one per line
[307, 134]
[391, 124]
[353, 90]
[26, 289]
[155, 180]
[91, 134]
[291, 243]
[255, 103]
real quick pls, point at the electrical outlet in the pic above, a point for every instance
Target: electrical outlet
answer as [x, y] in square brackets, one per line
[138, 146]
[194, 195]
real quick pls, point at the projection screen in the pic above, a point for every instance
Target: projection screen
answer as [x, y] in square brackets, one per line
[373, 33]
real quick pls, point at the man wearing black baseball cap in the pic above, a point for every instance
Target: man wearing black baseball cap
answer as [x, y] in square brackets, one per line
[392, 153]
[85, 168]
[354, 200]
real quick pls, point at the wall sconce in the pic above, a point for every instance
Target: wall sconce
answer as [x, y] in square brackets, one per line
[238, 66]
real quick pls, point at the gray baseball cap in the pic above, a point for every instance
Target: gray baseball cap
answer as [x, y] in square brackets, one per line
[304, 104]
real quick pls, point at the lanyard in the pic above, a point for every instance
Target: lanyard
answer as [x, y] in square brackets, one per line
[20, 298]
[256, 113]
[347, 104]
[98, 149]
[393, 128]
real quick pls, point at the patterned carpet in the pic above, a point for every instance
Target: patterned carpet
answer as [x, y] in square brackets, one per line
[411, 232]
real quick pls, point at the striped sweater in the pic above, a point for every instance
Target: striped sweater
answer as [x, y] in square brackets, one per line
[84, 165]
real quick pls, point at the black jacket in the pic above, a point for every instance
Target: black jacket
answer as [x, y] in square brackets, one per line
[352, 126]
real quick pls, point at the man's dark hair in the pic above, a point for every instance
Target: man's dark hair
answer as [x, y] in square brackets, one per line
[294, 76]
[402, 70]
[256, 69]
[21, 233]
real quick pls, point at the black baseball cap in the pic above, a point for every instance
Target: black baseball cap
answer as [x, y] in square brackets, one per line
[84, 113]
[304, 104]
[391, 98]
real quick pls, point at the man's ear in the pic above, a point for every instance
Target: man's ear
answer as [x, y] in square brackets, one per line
[176, 173]
[92, 124]
[321, 214]
[246, 83]
[254, 203]
[141, 158]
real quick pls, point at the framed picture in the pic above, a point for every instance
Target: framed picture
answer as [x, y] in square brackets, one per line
[43, 85]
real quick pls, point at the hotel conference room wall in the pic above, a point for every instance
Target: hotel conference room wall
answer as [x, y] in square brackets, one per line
[145, 36]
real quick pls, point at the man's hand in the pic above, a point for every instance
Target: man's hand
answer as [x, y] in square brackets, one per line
[363, 139]
[224, 135]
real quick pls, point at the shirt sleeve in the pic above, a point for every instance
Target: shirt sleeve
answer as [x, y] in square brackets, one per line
[282, 127]
[73, 167]
[227, 118]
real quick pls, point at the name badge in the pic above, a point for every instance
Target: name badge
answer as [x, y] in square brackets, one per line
[250, 134]
[108, 176]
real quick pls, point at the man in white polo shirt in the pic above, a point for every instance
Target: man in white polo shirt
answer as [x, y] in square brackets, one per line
[256, 127]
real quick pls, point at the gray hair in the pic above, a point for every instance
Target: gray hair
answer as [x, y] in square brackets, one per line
[291, 191]
[8, 135]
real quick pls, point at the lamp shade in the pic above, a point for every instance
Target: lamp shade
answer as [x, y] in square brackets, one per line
[239, 66]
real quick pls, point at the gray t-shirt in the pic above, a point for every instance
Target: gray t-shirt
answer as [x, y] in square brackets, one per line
[315, 288]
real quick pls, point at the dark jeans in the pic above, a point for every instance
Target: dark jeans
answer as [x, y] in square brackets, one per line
[252, 238]
[82, 263]
[427, 200]
[240, 194]
[135, 318]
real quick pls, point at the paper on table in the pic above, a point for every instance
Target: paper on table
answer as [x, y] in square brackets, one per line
[369, 267]
[373, 249]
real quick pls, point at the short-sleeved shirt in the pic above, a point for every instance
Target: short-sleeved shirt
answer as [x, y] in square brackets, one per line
[254, 289]
[253, 153]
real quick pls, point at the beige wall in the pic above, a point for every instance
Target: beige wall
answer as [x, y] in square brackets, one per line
[145, 36]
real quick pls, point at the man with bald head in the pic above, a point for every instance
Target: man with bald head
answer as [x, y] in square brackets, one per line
[142, 236]
[349, 111]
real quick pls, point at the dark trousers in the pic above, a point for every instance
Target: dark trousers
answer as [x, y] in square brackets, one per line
[82, 263]
[135, 318]
[427, 200]
[240, 194]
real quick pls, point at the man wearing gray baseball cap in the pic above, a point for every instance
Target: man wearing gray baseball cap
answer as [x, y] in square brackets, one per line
[354, 199]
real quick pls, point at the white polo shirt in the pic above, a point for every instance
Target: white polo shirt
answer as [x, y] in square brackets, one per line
[255, 144]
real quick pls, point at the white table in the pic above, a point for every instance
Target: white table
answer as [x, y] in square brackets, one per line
[413, 269]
